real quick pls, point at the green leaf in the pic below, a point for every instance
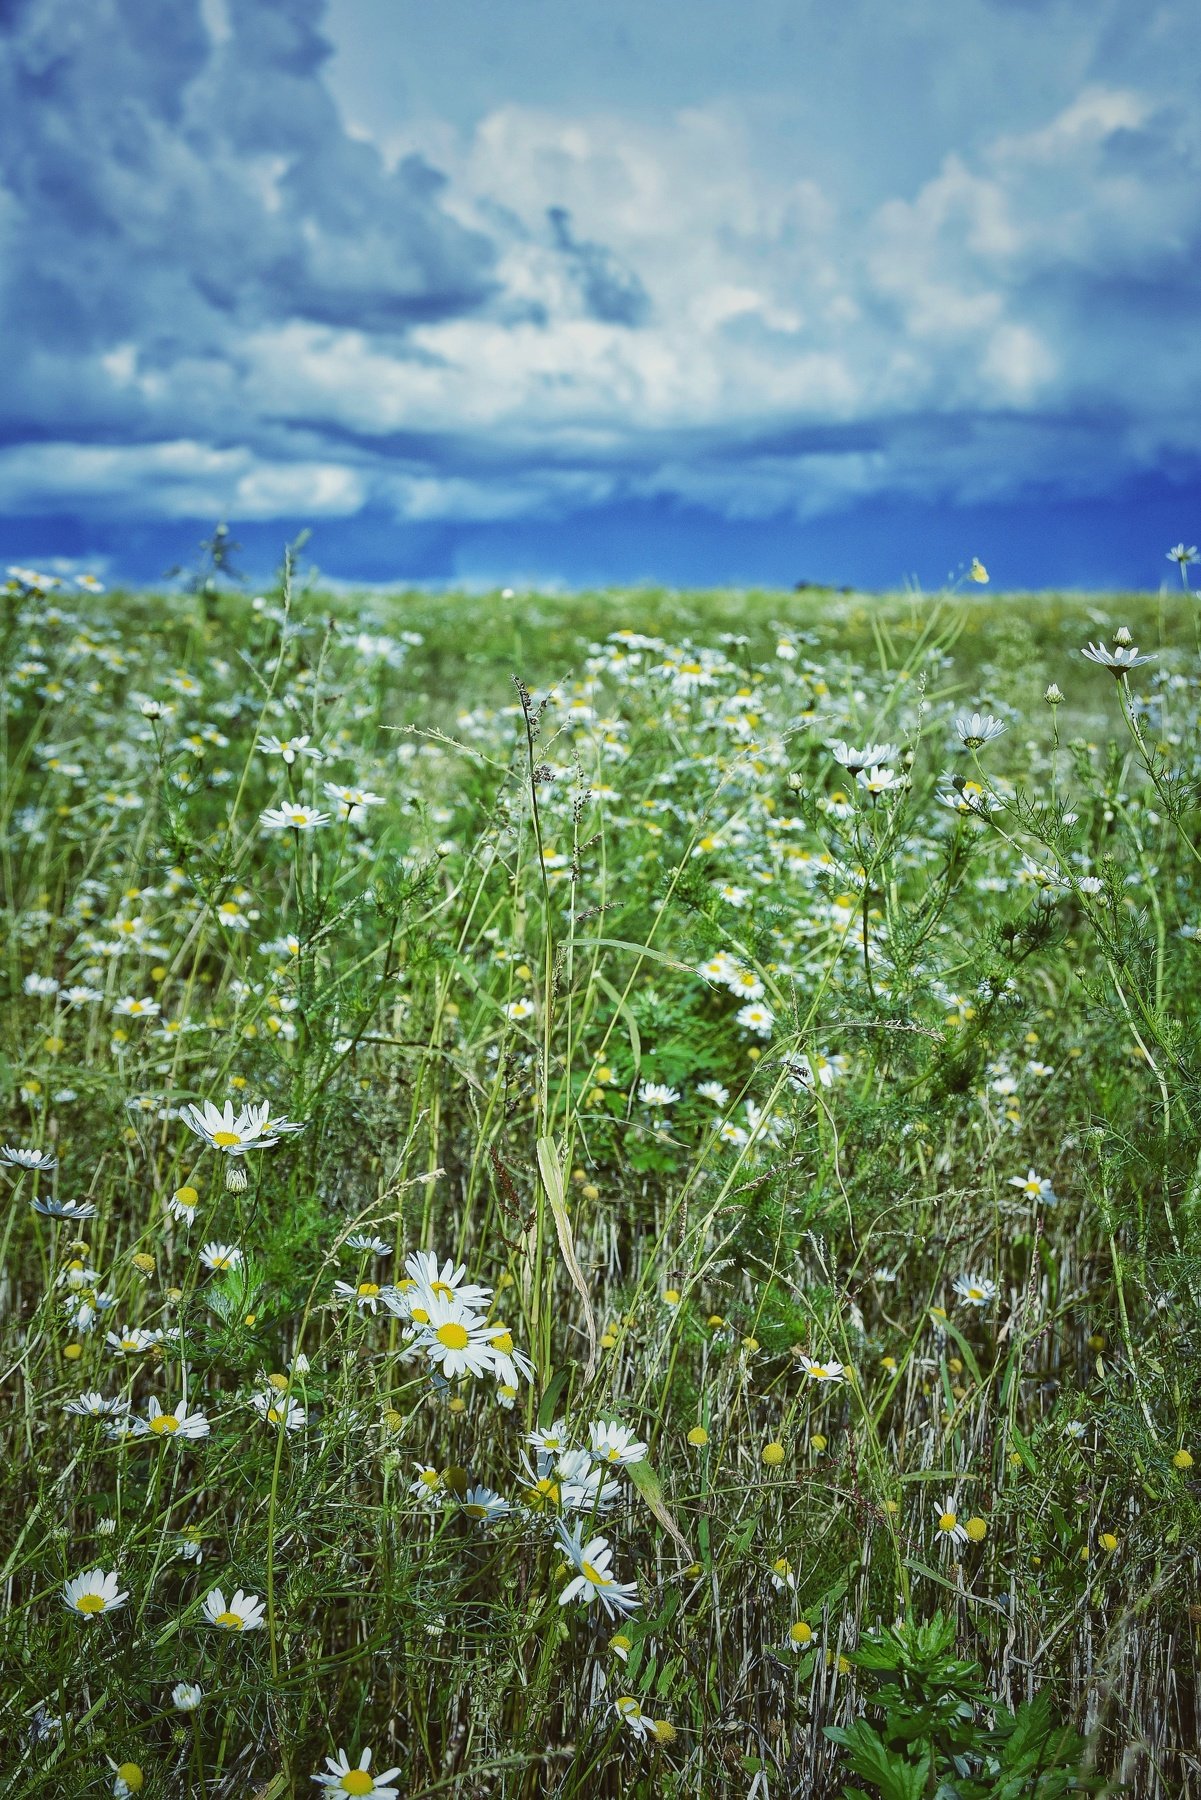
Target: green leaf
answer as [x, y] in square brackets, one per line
[649, 1486]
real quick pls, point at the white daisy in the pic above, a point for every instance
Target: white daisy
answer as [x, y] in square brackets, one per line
[593, 1579]
[949, 1528]
[93, 1405]
[455, 1339]
[132, 1340]
[290, 815]
[252, 1128]
[484, 1504]
[244, 1612]
[279, 1409]
[186, 1696]
[18, 1158]
[615, 1444]
[342, 1778]
[975, 1290]
[178, 1423]
[1035, 1187]
[657, 1093]
[824, 1370]
[365, 1295]
[978, 729]
[75, 1210]
[218, 1257]
[94, 1593]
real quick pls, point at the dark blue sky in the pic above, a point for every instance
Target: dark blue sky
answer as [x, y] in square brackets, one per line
[690, 292]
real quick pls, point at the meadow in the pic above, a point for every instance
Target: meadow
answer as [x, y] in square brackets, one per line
[601, 1196]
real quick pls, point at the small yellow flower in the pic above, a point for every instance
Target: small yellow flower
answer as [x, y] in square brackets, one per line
[663, 1730]
[751, 1344]
[977, 1530]
[889, 1363]
[457, 1405]
[1108, 1541]
[671, 1296]
[72, 1352]
[715, 1321]
[1182, 1459]
[393, 1420]
[143, 1262]
[132, 1776]
[773, 1454]
[818, 1442]
[800, 1633]
[698, 1436]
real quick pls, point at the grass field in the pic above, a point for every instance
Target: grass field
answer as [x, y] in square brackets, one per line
[603, 1195]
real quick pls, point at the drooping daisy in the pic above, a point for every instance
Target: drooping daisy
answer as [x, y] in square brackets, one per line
[512, 1365]
[949, 1528]
[713, 1091]
[583, 1485]
[93, 1405]
[783, 1577]
[94, 1593]
[342, 1778]
[219, 1257]
[369, 1246]
[593, 1579]
[279, 1409]
[825, 1370]
[484, 1504]
[1120, 661]
[252, 1128]
[427, 1485]
[186, 1696]
[74, 1211]
[178, 1423]
[975, 1290]
[244, 1612]
[18, 1158]
[629, 1711]
[455, 1339]
[615, 1444]
[978, 729]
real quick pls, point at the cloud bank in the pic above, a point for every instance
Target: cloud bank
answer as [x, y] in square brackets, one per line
[222, 296]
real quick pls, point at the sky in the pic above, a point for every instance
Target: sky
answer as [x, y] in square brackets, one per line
[575, 292]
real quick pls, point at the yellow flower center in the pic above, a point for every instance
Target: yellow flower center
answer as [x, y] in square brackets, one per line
[419, 1315]
[274, 1416]
[503, 1343]
[476, 1511]
[947, 1521]
[453, 1335]
[358, 1781]
[132, 1776]
[230, 1620]
[224, 1139]
[594, 1576]
[166, 1422]
[430, 1477]
[440, 1287]
[368, 1290]
[90, 1603]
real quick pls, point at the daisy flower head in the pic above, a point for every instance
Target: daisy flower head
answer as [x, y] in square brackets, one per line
[713, 1091]
[614, 1444]
[290, 748]
[18, 1158]
[629, 1711]
[426, 1485]
[975, 1290]
[186, 1696]
[365, 1294]
[291, 815]
[783, 1577]
[593, 1578]
[871, 756]
[756, 1018]
[75, 1211]
[177, 1423]
[133, 1340]
[484, 1504]
[252, 1128]
[551, 1442]
[433, 1278]
[244, 1612]
[93, 1405]
[877, 778]
[949, 1529]
[1034, 1186]
[94, 1593]
[657, 1093]
[341, 1777]
[976, 729]
[583, 1485]
[823, 1371]
[1182, 555]
[369, 1246]
[455, 1339]
[279, 1409]
[1119, 662]
[1075, 1429]
[130, 1007]
[219, 1257]
[512, 1365]
[352, 802]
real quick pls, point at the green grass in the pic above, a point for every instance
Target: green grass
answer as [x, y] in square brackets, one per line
[476, 996]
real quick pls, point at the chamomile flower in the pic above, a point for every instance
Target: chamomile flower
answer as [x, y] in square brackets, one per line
[94, 1593]
[657, 1093]
[290, 748]
[93, 1405]
[342, 1777]
[583, 1484]
[484, 1504]
[756, 1018]
[1119, 662]
[177, 1423]
[629, 1711]
[133, 1340]
[75, 1211]
[455, 1339]
[365, 1295]
[976, 729]
[426, 1485]
[553, 1441]
[975, 1290]
[291, 815]
[252, 1128]
[593, 1579]
[369, 1246]
[433, 1277]
[512, 1365]
[713, 1091]
[352, 802]
[615, 1444]
[824, 1370]
[1034, 1186]
[279, 1409]
[949, 1528]
[219, 1257]
[244, 1612]
[18, 1158]
[783, 1577]
[186, 1696]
